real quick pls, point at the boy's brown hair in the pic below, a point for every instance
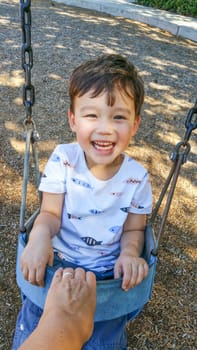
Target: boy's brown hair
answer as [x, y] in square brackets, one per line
[103, 75]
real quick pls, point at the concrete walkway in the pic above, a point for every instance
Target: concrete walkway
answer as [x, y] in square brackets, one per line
[180, 26]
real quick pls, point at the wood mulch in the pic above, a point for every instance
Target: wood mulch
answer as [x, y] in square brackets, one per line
[62, 38]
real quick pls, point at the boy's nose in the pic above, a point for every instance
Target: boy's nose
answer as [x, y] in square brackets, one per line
[105, 127]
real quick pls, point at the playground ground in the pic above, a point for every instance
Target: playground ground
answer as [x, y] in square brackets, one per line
[62, 38]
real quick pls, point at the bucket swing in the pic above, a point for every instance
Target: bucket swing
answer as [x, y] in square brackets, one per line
[112, 301]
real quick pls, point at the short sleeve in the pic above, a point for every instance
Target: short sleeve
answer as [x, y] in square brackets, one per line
[142, 199]
[54, 177]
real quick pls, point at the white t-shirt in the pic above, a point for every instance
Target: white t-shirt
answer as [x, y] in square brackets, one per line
[94, 211]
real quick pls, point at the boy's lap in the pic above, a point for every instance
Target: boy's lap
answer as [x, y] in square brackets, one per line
[107, 335]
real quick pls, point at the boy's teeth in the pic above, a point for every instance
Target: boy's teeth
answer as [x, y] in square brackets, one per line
[103, 144]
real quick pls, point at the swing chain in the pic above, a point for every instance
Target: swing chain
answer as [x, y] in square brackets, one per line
[190, 126]
[27, 61]
[179, 156]
[184, 144]
[31, 134]
[177, 151]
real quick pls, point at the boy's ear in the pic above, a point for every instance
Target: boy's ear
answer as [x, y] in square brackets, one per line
[136, 125]
[71, 118]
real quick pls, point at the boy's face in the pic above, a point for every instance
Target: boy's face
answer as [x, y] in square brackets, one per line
[104, 132]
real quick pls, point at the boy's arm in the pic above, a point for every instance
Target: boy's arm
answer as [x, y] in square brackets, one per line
[49, 220]
[129, 264]
[38, 252]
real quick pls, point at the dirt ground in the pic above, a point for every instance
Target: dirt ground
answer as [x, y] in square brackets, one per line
[62, 38]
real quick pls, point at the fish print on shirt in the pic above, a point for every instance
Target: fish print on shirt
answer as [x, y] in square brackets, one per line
[117, 194]
[125, 209]
[96, 211]
[66, 163]
[115, 229]
[91, 241]
[136, 205]
[82, 183]
[133, 181]
[55, 158]
[62, 257]
[115, 254]
[72, 216]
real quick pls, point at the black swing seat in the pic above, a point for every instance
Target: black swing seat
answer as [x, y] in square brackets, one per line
[112, 301]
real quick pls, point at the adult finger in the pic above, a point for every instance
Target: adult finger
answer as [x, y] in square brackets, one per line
[57, 276]
[91, 279]
[80, 274]
[68, 273]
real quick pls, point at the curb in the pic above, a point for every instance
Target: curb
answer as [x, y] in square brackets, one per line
[180, 26]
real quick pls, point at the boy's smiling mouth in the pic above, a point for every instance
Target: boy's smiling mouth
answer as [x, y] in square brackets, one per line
[103, 145]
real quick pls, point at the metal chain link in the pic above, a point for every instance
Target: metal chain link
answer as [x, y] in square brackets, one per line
[31, 133]
[27, 59]
[190, 123]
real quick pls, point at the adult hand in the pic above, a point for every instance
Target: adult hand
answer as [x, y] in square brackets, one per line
[68, 316]
[73, 294]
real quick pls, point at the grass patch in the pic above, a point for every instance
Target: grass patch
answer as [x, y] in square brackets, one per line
[182, 7]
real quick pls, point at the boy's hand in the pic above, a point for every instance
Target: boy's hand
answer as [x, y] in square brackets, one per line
[133, 269]
[36, 255]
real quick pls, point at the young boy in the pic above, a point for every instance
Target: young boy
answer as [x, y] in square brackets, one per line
[95, 197]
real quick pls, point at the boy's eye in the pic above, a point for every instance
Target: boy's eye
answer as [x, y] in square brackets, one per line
[91, 116]
[120, 117]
